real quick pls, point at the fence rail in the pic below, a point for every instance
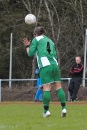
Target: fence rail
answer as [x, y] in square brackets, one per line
[5, 80]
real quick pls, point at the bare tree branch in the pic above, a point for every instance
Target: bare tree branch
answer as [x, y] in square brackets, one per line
[39, 10]
[50, 18]
[26, 5]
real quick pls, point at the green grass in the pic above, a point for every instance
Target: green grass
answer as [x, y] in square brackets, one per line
[29, 117]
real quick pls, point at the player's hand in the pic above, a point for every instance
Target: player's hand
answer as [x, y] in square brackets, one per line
[26, 42]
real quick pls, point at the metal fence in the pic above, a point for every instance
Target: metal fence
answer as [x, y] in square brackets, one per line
[7, 80]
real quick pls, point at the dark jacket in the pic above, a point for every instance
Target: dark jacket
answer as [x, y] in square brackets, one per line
[77, 70]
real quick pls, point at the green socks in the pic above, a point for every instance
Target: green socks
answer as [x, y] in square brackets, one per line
[46, 100]
[61, 96]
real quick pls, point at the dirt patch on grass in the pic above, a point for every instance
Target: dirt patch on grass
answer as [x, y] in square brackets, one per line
[40, 103]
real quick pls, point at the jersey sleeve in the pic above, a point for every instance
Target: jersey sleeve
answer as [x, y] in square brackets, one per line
[33, 47]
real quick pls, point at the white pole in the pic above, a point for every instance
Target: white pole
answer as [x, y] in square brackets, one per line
[85, 53]
[10, 67]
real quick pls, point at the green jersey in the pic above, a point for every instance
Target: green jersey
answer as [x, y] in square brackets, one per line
[45, 50]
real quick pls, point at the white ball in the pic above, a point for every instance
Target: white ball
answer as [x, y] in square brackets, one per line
[30, 19]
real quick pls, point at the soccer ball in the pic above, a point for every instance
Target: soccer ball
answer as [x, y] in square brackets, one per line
[30, 19]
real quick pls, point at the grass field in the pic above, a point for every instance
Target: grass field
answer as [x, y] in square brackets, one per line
[28, 116]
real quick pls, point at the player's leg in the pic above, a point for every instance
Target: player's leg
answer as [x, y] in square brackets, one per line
[40, 97]
[58, 87]
[38, 93]
[46, 80]
[77, 82]
[36, 96]
[46, 97]
[62, 98]
[61, 94]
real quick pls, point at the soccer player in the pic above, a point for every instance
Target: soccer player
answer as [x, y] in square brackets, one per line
[39, 87]
[48, 65]
[77, 72]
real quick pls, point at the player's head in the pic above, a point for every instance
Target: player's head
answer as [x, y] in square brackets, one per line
[78, 59]
[39, 31]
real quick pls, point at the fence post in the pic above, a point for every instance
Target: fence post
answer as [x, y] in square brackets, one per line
[0, 90]
[68, 91]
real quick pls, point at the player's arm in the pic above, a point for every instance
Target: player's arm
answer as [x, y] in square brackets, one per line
[26, 43]
[33, 47]
[30, 46]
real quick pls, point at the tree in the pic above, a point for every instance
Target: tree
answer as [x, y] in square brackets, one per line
[65, 23]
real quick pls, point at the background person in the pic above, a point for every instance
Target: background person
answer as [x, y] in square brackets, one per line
[38, 95]
[77, 73]
[49, 69]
